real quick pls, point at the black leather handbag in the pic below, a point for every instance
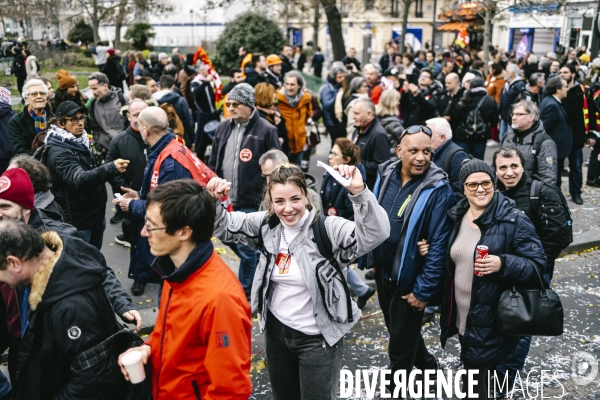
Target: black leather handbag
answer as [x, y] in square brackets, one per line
[530, 312]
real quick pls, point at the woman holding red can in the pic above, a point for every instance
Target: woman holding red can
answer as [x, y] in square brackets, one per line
[485, 220]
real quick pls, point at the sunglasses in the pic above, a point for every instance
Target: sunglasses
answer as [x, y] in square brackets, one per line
[411, 130]
[485, 185]
[232, 105]
[36, 94]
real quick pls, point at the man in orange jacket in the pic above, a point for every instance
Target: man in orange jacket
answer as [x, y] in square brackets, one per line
[200, 346]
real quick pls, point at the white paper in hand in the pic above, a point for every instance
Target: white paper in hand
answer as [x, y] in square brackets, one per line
[344, 181]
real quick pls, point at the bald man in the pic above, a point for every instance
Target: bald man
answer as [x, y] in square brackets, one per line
[454, 93]
[154, 131]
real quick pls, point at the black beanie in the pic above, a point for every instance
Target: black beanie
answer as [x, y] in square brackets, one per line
[473, 166]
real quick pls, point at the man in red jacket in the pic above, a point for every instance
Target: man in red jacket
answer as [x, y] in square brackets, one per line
[200, 346]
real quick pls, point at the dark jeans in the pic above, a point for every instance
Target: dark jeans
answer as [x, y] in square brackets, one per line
[301, 366]
[95, 235]
[248, 259]
[202, 140]
[407, 348]
[594, 167]
[296, 158]
[476, 149]
[100, 67]
[515, 361]
[575, 171]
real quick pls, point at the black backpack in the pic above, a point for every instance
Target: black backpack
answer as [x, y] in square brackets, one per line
[474, 125]
[534, 197]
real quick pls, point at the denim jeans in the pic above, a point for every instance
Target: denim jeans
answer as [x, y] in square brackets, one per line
[575, 171]
[4, 385]
[503, 128]
[95, 235]
[476, 149]
[296, 158]
[301, 366]
[356, 284]
[248, 259]
[515, 361]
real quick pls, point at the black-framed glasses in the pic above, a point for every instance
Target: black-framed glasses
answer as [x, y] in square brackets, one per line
[152, 229]
[77, 120]
[473, 186]
[411, 130]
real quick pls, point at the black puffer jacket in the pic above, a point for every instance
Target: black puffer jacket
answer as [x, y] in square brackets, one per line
[69, 313]
[551, 215]
[394, 129]
[509, 234]
[77, 186]
[468, 103]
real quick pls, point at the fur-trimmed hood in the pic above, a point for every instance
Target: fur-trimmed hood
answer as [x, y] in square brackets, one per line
[74, 267]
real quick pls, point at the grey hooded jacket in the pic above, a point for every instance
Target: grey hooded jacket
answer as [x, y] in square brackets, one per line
[542, 162]
[350, 240]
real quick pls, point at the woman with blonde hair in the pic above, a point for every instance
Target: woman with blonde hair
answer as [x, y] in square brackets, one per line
[387, 112]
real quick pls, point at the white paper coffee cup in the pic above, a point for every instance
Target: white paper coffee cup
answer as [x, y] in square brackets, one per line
[132, 362]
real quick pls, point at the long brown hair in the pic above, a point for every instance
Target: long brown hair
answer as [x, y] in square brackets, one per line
[283, 174]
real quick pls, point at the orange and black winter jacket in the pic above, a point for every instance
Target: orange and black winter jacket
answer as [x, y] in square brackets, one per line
[202, 339]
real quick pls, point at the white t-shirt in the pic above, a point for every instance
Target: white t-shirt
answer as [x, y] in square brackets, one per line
[290, 301]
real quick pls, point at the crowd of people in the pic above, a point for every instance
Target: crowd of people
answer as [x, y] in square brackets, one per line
[409, 134]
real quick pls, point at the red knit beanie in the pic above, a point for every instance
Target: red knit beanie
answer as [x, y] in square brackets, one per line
[16, 186]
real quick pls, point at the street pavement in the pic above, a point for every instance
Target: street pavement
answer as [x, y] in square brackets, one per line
[365, 347]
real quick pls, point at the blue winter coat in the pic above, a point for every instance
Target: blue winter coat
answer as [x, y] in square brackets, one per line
[439, 158]
[424, 219]
[509, 234]
[509, 97]
[334, 197]
[327, 96]
[170, 170]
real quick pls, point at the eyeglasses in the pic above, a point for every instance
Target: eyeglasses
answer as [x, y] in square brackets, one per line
[152, 229]
[411, 130]
[473, 186]
[37, 94]
[232, 105]
[425, 76]
[77, 120]
[519, 114]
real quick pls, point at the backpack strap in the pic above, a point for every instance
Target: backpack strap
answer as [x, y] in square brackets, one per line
[534, 196]
[448, 160]
[326, 250]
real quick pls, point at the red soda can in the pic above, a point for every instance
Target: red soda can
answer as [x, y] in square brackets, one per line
[482, 252]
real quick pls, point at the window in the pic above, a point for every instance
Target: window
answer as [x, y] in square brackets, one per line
[369, 4]
[395, 9]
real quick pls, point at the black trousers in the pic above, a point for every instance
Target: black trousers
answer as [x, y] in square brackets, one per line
[407, 348]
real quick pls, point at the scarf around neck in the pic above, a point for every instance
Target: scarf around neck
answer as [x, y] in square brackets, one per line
[293, 101]
[39, 120]
[60, 137]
